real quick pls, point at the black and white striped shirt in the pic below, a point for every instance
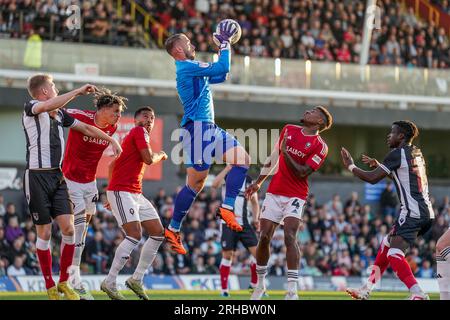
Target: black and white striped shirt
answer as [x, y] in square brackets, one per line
[45, 137]
[406, 166]
[241, 210]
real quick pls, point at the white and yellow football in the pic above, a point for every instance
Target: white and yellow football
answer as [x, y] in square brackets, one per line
[235, 38]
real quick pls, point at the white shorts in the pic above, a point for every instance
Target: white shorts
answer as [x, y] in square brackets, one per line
[83, 195]
[275, 208]
[130, 207]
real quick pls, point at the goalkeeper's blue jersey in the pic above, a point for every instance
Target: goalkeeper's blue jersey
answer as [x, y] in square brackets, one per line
[193, 79]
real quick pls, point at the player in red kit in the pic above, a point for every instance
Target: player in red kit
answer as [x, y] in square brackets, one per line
[299, 152]
[82, 156]
[130, 208]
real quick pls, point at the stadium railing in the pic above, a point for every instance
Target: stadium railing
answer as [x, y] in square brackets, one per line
[251, 78]
[17, 78]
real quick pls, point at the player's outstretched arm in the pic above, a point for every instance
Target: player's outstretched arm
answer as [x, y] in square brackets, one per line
[218, 79]
[94, 132]
[368, 176]
[62, 100]
[220, 178]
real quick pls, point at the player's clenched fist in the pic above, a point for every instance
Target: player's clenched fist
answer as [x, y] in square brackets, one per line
[163, 155]
[346, 157]
[87, 89]
[254, 187]
[117, 149]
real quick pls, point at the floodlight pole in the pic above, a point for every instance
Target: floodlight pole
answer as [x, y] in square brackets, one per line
[371, 21]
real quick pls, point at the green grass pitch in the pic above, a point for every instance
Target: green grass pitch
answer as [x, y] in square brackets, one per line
[215, 295]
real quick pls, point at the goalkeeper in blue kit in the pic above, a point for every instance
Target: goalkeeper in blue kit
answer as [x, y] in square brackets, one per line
[202, 140]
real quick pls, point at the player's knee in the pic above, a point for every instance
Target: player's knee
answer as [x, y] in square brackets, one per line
[265, 239]
[68, 230]
[243, 158]
[247, 160]
[289, 239]
[159, 232]
[227, 255]
[44, 234]
[197, 186]
[440, 245]
[135, 234]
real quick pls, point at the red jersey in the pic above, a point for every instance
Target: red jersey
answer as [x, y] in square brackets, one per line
[82, 152]
[129, 168]
[308, 150]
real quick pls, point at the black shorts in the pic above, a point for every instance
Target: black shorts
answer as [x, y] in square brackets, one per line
[231, 238]
[47, 195]
[410, 228]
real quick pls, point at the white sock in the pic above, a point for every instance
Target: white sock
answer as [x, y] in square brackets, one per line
[121, 257]
[173, 229]
[443, 273]
[226, 206]
[66, 240]
[148, 254]
[416, 289]
[292, 278]
[261, 272]
[75, 276]
[369, 284]
[225, 262]
[43, 245]
[80, 236]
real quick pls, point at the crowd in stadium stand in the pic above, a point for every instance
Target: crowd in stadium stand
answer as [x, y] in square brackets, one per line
[55, 20]
[444, 5]
[319, 30]
[337, 238]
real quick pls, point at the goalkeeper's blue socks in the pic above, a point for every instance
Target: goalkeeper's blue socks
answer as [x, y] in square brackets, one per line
[235, 180]
[183, 202]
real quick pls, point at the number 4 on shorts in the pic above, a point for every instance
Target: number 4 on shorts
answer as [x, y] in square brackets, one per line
[295, 204]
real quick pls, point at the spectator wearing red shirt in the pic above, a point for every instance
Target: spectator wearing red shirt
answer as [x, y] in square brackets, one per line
[343, 54]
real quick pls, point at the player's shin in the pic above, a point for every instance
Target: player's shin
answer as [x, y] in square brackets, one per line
[234, 181]
[183, 202]
[148, 254]
[443, 273]
[225, 266]
[403, 270]
[253, 275]
[45, 261]
[292, 257]
[67, 251]
[380, 265]
[80, 235]
[121, 257]
[262, 257]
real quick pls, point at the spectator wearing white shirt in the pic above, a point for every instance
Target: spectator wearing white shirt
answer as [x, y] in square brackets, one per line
[16, 269]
